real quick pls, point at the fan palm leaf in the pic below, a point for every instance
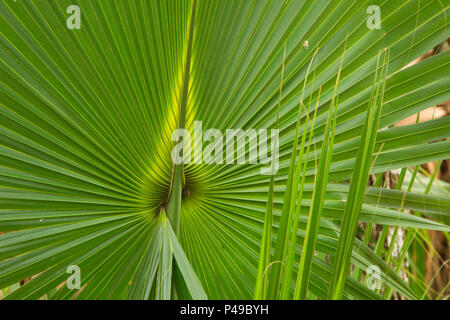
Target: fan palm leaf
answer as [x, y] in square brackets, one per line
[86, 118]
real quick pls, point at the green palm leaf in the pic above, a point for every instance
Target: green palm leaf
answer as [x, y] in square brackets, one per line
[86, 118]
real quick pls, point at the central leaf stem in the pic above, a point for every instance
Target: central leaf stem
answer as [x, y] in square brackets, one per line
[177, 183]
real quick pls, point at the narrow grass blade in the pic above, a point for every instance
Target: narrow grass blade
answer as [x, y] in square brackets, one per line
[358, 186]
[320, 186]
[286, 213]
[300, 172]
[262, 279]
[264, 254]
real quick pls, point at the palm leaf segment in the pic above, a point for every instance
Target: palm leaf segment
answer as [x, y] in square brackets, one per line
[86, 118]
